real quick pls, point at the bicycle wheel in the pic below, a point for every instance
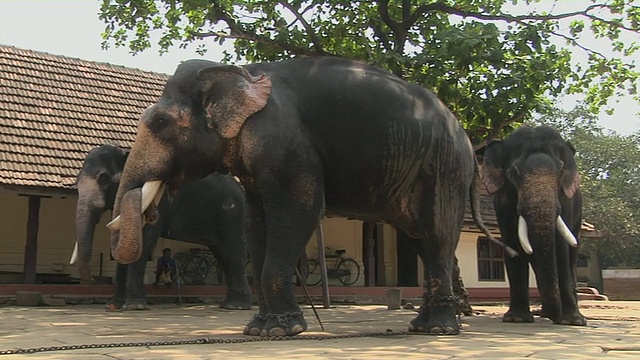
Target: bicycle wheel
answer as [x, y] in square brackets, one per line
[192, 271]
[348, 271]
[313, 272]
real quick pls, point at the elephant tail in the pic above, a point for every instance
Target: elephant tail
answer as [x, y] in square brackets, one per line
[474, 197]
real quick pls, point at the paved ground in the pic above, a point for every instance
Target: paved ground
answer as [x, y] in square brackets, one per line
[613, 332]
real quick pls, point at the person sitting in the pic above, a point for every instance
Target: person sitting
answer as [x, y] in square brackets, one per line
[165, 268]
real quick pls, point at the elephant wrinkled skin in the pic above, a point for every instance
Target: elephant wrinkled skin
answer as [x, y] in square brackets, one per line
[207, 212]
[534, 178]
[304, 135]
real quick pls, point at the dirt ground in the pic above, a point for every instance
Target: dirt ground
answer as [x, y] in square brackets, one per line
[612, 332]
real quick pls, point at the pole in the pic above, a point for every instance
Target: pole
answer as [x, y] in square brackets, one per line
[326, 302]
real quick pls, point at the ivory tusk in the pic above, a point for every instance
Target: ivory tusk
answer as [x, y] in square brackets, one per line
[150, 190]
[523, 235]
[565, 232]
[114, 224]
[159, 193]
[74, 256]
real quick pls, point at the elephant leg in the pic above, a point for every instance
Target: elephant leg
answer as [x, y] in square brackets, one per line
[136, 298]
[439, 227]
[231, 256]
[438, 313]
[518, 274]
[256, 234]
[120, 297]
[463, 307]
[567, 281]
[292, 215]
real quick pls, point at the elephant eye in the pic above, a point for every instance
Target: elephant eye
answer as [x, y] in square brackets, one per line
[103, 179]
[159, 121]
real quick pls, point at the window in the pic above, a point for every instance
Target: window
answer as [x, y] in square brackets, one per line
[490, 261]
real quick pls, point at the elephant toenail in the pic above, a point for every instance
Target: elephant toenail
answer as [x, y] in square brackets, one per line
[296, 329]
[277, 331]
[254, 331]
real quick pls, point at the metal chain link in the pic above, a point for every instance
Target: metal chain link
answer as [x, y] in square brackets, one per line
[212, 340]
[206, 340]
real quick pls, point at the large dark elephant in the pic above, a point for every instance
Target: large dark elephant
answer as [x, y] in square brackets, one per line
[208, 212]
[534, 178]
[302, 135]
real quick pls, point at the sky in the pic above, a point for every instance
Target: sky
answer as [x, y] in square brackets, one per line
[72, 28]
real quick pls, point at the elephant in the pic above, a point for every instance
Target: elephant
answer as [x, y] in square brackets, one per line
[208, 211]
[307, 137]
[534, 179]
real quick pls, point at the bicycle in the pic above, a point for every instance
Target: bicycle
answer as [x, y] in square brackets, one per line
[194, 267]
[345, 269]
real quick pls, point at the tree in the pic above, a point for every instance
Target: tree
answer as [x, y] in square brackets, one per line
[493, 68]
[610, 179]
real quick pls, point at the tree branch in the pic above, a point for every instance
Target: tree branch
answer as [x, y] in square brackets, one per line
[310, 32]
[574, 42]
[383, 10]
[494, 131]
[263, 40]
[237, 32]
[440, 7]
[377, 31]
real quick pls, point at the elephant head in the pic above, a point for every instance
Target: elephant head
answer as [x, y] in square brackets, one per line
[187, 134]
[534, 177]
[97, 184]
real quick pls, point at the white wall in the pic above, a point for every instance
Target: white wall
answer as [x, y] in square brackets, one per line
[467, 254]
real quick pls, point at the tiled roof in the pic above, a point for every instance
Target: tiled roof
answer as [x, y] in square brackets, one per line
[487, 213]
[54, 109]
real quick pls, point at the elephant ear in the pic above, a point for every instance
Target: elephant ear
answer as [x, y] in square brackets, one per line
[231, 95]
[491, 172]
[570, 176]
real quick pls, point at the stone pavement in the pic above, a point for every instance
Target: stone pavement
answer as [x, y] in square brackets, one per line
[613, 332]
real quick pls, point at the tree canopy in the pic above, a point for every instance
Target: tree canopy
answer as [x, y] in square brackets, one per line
[610, 179]
[491, 66]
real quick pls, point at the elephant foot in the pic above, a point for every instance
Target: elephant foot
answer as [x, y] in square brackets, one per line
[114, 304]
[255, 325]
[575, 319]
[436, 320]
[287, 324]
[135, 305]
[518, 316]
[237, 302]
[237, 305]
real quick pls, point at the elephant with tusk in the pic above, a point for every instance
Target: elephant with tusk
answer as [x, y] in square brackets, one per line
[207, 212]
[305, 135]
[534, 179]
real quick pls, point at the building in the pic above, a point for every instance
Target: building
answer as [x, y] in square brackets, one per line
[54, 109]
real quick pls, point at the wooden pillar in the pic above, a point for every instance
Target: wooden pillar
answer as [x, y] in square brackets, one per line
[31, 246]
[407, 260]
[369, 256]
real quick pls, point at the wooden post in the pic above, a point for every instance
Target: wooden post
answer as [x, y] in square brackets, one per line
[369, 259]
[31, 246]
[323, 268]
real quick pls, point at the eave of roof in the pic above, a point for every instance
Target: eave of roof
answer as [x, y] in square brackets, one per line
[54, 109]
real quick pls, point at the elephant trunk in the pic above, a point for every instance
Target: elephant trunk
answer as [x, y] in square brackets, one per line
[138, 190]
[538, 208]
[547, 272]
[126, 241]
[87, 215]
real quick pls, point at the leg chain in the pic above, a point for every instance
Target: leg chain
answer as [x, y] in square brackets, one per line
[440, 300]
[285, 319]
